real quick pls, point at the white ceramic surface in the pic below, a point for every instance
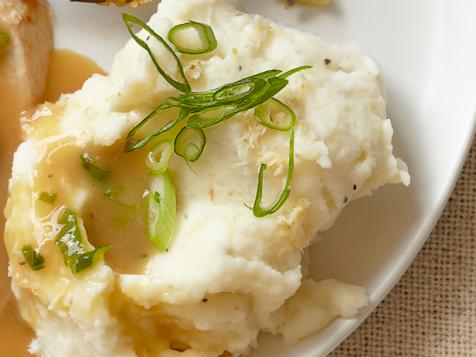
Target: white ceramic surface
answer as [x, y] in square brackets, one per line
[427, 54]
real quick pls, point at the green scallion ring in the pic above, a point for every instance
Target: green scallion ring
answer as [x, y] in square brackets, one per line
[161, 211]
[157, 160]
[276, 115]
[130, 20]
[190, 143]
[97, 173]
[208, 41]
[34, 259]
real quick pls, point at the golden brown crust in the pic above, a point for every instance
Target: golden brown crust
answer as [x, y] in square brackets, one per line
[28, 23]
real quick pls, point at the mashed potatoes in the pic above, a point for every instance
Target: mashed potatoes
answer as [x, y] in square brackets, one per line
[227, 275]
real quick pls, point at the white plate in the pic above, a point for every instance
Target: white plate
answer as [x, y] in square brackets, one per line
[427, 54]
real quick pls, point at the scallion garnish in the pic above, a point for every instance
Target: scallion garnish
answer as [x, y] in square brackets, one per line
[258, 209]
[88, 259]
[263, 91]
[113, 192]
[212, 116]
[227, 94]
[231, 93]
[133, 143]
[78, 254]
[48, 197]
[276, 115]
[179, 33]
[4, 39]
[95, 171]
[190, 143]
[34, 259]
[212, 107]
[157, 160]
[161, 210]
[181, 86]
[205, 109]
[294, 71]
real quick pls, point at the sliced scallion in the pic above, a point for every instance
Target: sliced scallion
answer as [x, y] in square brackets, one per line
[129, 21]
[34, 259]
[157, 160]
[258, 209]
[94, 171]
[133, 143]
[212, 116]
[227, 94]
[233, 92]
[161, 211]
[294, 71]
[113, 194]
[89, 259]
[190, 143]
[76, 250]
[179, 36]
[259, 95]
[276, 115]
[48, 197]
[225, 102]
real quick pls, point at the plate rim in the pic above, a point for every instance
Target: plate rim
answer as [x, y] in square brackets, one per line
[414, 248]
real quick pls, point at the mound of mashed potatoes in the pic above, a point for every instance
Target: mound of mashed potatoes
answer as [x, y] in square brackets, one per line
[228, 275]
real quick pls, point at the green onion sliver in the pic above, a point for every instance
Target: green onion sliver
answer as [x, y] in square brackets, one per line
[161, 211]
[227, 94]
[157, 160]
[294, 71]
[258, 209]
[178, 36]
[133, 143]
[190, 143]
[78, 254]
[94, 171]
[214, 106]
[4, 39]
[276, 115]
[129, 21]
[34, 259]
[48, 197]
[212, 116]
[113, 194]
[89, 259]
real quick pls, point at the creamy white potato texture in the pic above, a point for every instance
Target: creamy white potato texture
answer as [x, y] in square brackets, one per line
[228, 275]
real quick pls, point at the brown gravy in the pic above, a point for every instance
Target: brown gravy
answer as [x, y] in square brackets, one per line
[117, 219]
[67, 72]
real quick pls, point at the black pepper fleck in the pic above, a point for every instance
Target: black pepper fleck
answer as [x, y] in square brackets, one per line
[204, 300]
[327, 61]
[22, 263]
[240, 68]
[355, 187]
[346, 200]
